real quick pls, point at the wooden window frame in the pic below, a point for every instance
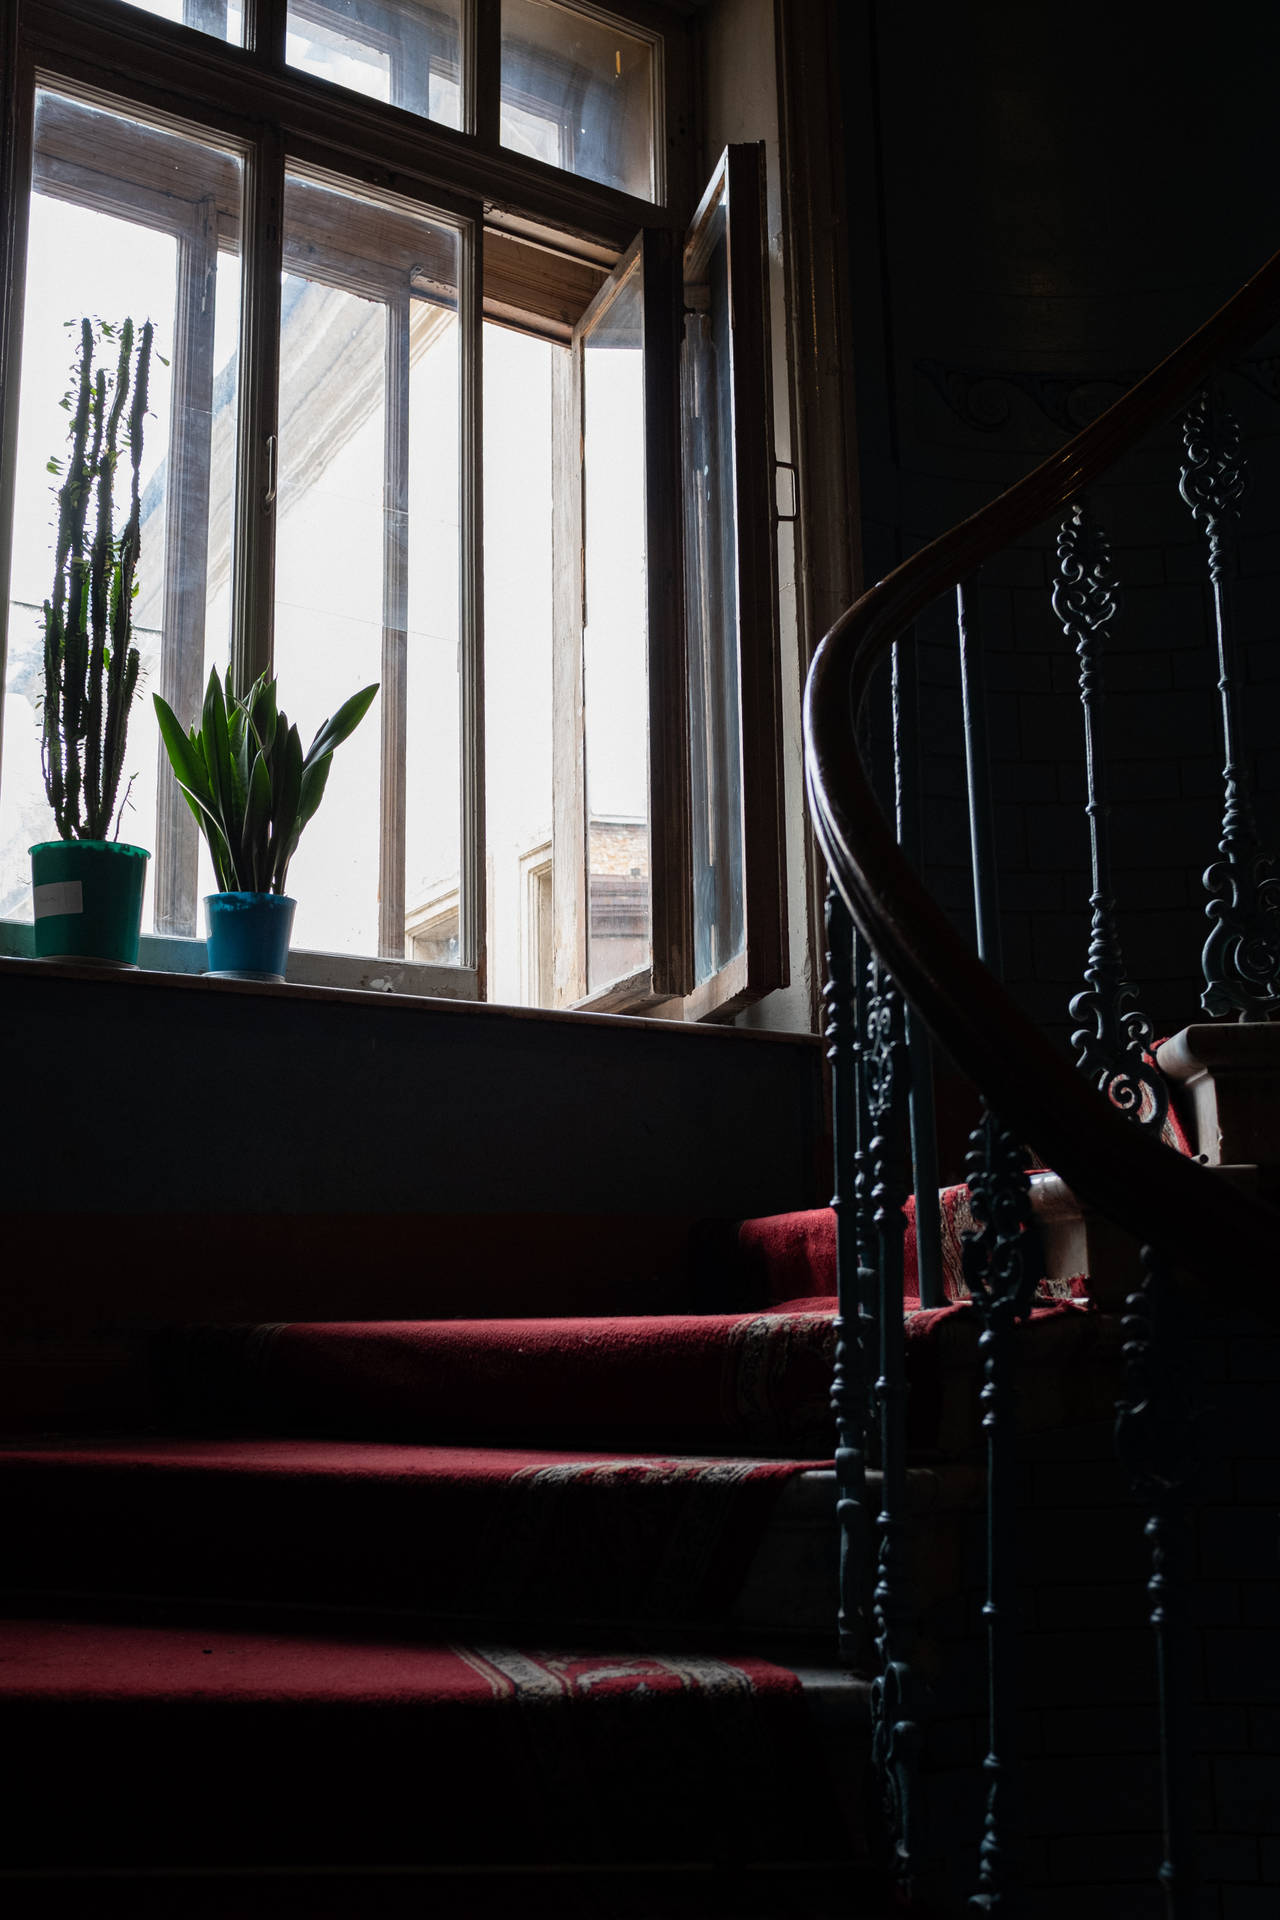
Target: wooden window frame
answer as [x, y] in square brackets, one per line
[542, 243]
[738, 182]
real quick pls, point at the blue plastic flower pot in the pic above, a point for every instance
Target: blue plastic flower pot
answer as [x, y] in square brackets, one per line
[87, 900]
[248, 934]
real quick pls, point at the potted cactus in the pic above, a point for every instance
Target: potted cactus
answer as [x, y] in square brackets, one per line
[252, 791]
[87, 885]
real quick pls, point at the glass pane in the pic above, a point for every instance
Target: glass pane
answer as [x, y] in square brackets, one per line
[517, 628]
[405, 52]
[711, 589]
[578, 91]
[224, 19]
[367, 566]
[615, 640]
[126, 219]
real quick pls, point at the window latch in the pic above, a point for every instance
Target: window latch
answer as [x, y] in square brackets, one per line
[269, 497]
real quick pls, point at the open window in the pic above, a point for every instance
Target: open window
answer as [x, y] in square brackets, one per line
[472, 446]
[731, 601]
[620, 870]
[668, 843]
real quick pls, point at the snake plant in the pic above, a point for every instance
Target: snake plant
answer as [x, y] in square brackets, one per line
[247, 780]
[90, 662]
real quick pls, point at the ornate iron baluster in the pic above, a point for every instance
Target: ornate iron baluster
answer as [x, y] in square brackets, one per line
[1154, 1437]
[1116, 1053]
[849, 1380]
[921, 1104]
[895, 1734]
[1241, 958]
[1001, 1270]
[868, 1320]
[977, 765]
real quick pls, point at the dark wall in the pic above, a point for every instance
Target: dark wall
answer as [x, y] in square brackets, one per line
[223, 1098]
[177, 1149]
[1041, 207]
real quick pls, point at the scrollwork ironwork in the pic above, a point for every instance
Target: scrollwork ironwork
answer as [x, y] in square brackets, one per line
[1155, 1429]
[1115, 1051]
[849, 1383]
[895, 1728]
[1241, 956]
[1212, 478]
[1001, 1266]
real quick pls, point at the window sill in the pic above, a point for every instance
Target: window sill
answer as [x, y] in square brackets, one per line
[151, 979]
[176, 957]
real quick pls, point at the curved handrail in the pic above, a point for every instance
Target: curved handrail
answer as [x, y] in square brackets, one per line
[1106, 1161]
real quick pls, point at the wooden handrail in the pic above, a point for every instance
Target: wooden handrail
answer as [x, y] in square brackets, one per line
[1229, 1239]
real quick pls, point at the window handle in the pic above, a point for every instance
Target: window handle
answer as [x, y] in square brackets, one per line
[269, 497]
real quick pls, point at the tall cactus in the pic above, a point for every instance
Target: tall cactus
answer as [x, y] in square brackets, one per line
[90, 662]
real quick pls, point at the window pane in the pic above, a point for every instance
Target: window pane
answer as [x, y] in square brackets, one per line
[578, 91]
[517, 629]
[615, 640]
[126, 219]
[222, 18]
[405, 52]
[367, 566]
[711, 591]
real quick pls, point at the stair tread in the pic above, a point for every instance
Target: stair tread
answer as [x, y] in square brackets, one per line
[206, 1660]
[443, 1531]
[752, 1383]
[284, 1455]
[246, 1745]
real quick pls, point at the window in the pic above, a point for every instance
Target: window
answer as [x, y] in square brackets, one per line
[579, 91]
[429, 410]
[125, 218]
[406, 52]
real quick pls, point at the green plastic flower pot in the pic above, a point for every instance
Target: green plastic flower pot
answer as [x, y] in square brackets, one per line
[87, 896]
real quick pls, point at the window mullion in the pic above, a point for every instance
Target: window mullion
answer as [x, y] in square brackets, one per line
[265, 30]
[484, 18]
[17, 134]
[568, 786]
[186, 559]
[472, 915]
[257, 459]
[395, 636]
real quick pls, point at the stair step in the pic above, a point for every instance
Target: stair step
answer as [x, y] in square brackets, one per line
[445, 1531]
[197, 1744]
[755, 1383]
[745, 1382]
[640, 1891]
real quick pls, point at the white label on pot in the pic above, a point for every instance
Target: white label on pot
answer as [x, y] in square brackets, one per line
[59, 896]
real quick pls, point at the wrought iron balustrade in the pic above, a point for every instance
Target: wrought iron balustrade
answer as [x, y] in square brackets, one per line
[900, 972]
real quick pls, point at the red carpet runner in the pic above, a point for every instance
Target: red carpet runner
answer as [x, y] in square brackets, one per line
[133, 1745]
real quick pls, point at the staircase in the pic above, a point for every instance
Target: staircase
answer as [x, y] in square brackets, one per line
[403, 1611]
[357, 1604]
[364, 1614]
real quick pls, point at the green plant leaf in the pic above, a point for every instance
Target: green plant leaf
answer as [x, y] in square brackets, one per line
[184, 754]
[336, 729]
[217, 748]
[186, 758]
[223, 865]
[315, 779]
[261, 706]
[257, 828]
[288, 796]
